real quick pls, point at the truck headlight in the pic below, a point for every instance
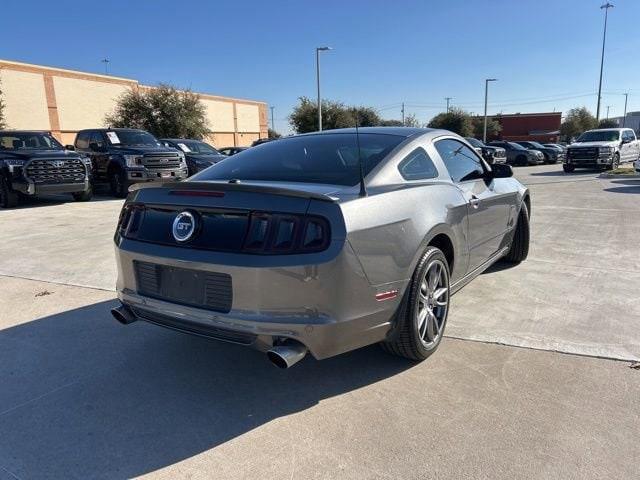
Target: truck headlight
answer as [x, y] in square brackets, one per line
[133, 160]
[605, 150]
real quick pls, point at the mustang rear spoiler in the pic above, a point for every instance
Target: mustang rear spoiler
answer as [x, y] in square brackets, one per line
[214, 189]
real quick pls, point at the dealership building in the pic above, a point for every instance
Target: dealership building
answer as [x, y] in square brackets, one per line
[534, 127]
[65, 101]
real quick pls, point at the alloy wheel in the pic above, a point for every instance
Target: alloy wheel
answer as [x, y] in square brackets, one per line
[432, 303]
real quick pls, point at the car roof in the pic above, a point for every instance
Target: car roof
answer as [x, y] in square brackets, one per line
[113, 130]
[398, 131]
[180, 140]
[24, 131]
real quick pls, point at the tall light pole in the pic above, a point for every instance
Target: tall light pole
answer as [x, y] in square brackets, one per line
[318, 50]
[447, 99]
[606, 7]
[608, 107]
[486, 96]
[624, 117]
[106, 65]
[272, 124]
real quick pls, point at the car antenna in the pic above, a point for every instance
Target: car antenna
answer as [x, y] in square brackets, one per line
[363, 190]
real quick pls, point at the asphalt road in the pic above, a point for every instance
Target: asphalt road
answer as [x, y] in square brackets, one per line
[84, 397]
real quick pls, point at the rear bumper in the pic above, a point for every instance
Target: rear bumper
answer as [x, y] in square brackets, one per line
[328, 306]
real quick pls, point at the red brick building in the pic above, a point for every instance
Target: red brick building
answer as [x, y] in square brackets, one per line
[537, 127]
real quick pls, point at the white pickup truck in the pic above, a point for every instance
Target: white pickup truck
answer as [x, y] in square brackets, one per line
[603, 148]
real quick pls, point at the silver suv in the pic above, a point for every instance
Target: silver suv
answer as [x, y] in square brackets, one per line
[602, 148]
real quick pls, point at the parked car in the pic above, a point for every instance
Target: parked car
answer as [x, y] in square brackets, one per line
[228, 151]
[123, 156]
[260, 141]
[323, 242]
[551, 154]
[489, 153]
[198, 154]
[518, 155]
[602, 148]
[557, 146]
[35, 163]
[636, 165]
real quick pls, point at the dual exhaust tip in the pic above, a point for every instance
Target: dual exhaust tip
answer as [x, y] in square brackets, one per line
[282, 356]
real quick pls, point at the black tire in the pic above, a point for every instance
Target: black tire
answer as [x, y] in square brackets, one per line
[615, 163]
[568, 168]
[407, 341]
[522, 161]
[8, 198]
[520, 244]
[83, 196]
[118, 183]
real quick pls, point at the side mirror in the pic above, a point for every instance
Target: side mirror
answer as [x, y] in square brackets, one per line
[69, 147]
[626, 140]
[499, 170]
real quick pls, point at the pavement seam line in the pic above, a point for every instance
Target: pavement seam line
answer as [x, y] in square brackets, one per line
[39, 397]
[551, 350]
[79, 285]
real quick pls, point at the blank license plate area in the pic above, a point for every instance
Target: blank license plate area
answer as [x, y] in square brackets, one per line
[181, 285]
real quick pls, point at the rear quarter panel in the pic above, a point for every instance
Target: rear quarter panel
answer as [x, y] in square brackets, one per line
[390, 229]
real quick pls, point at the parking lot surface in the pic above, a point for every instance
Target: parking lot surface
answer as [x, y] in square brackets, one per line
[84, 397]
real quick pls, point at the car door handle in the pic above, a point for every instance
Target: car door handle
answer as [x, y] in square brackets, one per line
[475, 201]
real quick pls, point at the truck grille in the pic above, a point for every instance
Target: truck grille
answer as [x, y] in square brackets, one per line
[157, 161]
[583, 152]
[208, 290]
[68, 170]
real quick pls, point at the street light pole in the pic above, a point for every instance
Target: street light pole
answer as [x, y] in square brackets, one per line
[624, 117]
[272, 124]
[106, 65]
[486, 96]
[447, 99]
[606, 7]
[318, 50]
[608, 107]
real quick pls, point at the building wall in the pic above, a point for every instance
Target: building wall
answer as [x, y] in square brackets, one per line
[65, 101]
[541, 127]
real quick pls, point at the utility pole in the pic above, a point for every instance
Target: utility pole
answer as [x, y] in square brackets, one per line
[106, 65]
[606, 7]
[272, 124]
[486, 96]
[402, 114]
[608, 107]
[318, 50]
[624, 117]
[447, 99]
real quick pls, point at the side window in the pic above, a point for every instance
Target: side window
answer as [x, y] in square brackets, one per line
[462, 162]
[82, 140]
[417, 166]
[96, 137]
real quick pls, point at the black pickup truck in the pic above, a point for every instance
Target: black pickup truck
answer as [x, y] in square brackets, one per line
[122, 156]
[35, 163]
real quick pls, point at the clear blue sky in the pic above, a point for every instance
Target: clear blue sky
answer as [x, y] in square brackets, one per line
[385, 52]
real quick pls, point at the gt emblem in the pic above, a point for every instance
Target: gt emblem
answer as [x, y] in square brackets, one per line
[184, 226]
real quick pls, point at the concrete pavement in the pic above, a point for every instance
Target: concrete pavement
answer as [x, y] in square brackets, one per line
[83, 397]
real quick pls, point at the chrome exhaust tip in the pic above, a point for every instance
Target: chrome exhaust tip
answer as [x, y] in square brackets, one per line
[287, 355]
[123, 315]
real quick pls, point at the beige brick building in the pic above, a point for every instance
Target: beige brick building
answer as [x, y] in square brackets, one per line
[65, 101]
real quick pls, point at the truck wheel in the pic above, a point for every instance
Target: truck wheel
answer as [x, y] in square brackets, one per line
[8, 198]
[118, 183]
[422, 314]
[615, 162]
[521, 160]
[83, 196]
[568, 168]
[520, 244]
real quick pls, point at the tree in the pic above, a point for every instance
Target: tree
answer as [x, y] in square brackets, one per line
[493, 127]
[164, 111]
[412, 121]
[273, 134]
[577, 121]
[364, 116]
[455, 120]
[391, 123]
[2, 122]
[608, 123]
[304, 117]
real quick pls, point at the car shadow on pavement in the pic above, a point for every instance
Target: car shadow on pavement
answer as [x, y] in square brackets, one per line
[85, 397]
[628, 189]
[54, 200]
[561, 173]
[628, 181]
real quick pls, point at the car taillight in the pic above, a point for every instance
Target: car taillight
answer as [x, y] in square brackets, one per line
[129, 220]
[274, 234]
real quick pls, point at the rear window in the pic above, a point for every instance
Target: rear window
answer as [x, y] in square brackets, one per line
[327, 158]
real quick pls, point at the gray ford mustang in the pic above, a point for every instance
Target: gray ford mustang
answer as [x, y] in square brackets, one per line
[320, 243]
